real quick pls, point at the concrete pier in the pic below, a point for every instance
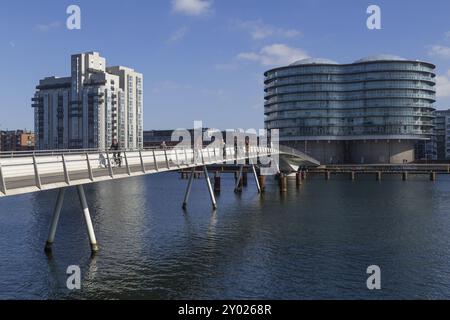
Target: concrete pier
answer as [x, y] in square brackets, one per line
[239, 180]
[405, 176]
[217, 182]
[432, 176]
[298, 179]
[244, 179]
[283, 183]
[327, 175]
[353, 175]
[262, 182]
[378, 175]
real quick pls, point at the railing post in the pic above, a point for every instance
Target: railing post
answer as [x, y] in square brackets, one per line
[176, 158]
[126, 163]
[194, 155]
[154, 160]
[37, 178]
[66, 172]
[186, 156]
[111, 173]
[2, 181]
[167, 160]
[142, 162]
[91, 174]
[257, 155]
[209, 154]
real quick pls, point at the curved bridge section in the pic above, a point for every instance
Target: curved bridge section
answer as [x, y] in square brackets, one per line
[32, 172]
[24, 172]
[291, 160]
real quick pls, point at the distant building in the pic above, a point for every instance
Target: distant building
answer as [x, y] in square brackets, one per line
[19, 140]
[89, 109]
[374, 110]
[426, 150]
[442, 134]
[154, 138]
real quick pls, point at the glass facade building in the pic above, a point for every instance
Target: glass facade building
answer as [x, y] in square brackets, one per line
[371, 111]
[442, 134]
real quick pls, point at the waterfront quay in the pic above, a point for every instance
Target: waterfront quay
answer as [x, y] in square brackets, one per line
[379, 170]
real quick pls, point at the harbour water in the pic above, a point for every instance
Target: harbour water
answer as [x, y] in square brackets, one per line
[314, 242]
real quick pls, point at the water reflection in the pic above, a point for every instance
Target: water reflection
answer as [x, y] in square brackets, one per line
[315, 241]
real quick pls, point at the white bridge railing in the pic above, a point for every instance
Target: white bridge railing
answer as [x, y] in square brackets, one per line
[29, 172]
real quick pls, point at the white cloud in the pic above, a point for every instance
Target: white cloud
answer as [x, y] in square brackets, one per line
[178, 34]
[191, 7]
[275, 54]
[443, 85]
[48, 27]
[258, 30]
[439, 51]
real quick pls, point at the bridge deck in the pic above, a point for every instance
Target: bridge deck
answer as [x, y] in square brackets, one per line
[30, 173]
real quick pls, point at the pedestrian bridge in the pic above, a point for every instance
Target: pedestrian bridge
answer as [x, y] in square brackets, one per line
[26, 172]
[44, 170]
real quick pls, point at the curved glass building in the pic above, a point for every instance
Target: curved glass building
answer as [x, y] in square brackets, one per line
[371, 111]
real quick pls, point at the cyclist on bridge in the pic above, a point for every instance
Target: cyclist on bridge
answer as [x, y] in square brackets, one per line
[116, 155]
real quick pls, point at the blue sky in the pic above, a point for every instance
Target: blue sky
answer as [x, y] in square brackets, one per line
[204, 60]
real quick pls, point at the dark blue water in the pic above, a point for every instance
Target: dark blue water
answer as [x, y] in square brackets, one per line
[314, 242]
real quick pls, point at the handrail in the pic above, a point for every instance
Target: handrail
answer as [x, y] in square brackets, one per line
[68, 166]
[56, 152]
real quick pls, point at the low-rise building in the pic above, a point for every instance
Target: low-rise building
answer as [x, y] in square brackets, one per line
[16, 140]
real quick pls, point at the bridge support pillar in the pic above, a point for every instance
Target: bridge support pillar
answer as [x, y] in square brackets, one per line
[57, 213]
[87, 217]
[188, 189]
[211, 193]
[353, 175]
[55, 220]
[405, 176]
[258, 186]
[327, 175]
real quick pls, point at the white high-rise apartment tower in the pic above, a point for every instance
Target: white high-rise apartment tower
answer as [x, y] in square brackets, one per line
[89, 109]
